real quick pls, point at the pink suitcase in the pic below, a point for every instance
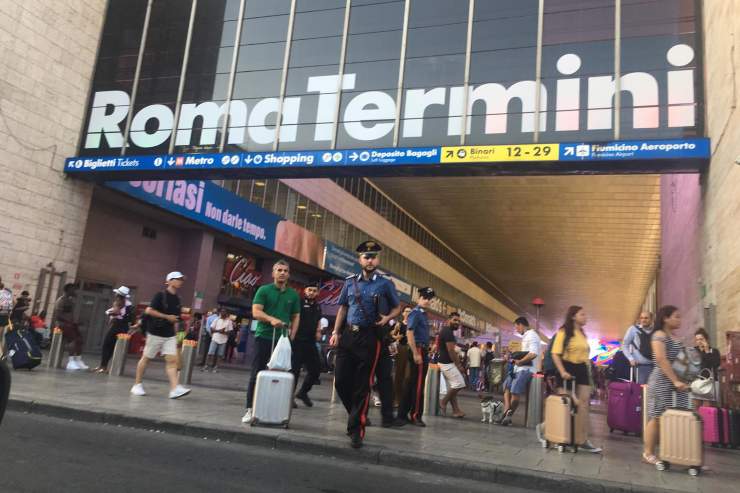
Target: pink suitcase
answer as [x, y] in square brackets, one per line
[711, 419]
[624, 406]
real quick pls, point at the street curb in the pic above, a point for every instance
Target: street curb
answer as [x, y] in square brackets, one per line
[296, 443]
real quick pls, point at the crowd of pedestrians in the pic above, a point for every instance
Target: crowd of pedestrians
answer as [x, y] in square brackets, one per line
[383, 349]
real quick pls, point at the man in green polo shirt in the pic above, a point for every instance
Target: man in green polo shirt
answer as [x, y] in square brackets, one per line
[275, 306]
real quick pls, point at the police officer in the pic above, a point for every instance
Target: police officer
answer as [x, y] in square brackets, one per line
[363, 302]
[412, 401]
[304, 337]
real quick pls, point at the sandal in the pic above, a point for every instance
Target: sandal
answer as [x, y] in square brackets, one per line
[649, 459]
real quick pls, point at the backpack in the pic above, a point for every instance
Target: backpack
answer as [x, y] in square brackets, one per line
[646, 348]
[6, 301]
[548, 365]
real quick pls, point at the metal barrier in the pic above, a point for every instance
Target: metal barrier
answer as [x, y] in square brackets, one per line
[431, 391]
[188, 356]
[56, 352]
[120, 352]
[4, 386]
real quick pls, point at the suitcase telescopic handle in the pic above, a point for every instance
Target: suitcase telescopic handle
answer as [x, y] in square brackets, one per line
[634, 374]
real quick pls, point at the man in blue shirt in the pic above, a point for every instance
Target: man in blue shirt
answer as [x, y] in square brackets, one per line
[636, 347]
[412, 399]
[368, 302]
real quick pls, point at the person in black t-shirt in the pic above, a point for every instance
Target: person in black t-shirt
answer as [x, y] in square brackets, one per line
[162, 314]
[304, 339]
[451, 366]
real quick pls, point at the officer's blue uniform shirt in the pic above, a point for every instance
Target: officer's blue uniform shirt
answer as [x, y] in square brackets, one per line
[376, 287]
[419, 323]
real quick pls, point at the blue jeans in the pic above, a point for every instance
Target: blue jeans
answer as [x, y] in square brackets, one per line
[474, 376]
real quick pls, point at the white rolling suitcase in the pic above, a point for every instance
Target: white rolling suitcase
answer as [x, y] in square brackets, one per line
[273, 397]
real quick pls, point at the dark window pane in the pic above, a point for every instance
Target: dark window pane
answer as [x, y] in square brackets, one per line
[264, 8]
[376, 18]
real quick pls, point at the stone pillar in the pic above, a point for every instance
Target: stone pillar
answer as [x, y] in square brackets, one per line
[195, 261]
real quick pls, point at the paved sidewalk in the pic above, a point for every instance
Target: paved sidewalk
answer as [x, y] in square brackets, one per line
[506, 455]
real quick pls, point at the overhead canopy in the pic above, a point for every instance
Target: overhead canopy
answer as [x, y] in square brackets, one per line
[592, 241]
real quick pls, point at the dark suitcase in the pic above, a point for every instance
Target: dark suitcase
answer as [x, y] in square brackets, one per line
[22, 349]
[734, 428]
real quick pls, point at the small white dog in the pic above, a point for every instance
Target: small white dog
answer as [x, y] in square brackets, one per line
[490, 408]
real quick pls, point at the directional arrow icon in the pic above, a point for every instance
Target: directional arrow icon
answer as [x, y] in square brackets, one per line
[449, 153]
[353, 156]
[568, 151]
[248, 159]
[170, 161]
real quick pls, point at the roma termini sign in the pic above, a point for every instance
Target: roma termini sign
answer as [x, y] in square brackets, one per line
[661, 98]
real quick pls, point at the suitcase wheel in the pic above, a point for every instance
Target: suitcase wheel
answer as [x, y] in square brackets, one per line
[661, 466]
[694, 471]
[254, 422]
[561, 448]
[286, 426]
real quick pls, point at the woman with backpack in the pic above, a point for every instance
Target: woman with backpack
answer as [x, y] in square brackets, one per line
[570, 354]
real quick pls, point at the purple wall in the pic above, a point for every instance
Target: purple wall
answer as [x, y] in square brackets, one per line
[680, 266]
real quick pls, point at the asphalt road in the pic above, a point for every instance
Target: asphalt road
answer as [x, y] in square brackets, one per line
[43, 454]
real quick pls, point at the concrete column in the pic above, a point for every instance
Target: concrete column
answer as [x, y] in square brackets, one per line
[195, 261]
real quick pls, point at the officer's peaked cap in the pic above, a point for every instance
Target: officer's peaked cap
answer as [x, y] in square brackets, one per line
[369, 247]
[427, 293]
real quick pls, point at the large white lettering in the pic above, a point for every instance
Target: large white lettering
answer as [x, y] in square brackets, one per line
[369, 116]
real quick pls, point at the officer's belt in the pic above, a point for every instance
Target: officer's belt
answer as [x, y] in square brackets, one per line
[357, 328]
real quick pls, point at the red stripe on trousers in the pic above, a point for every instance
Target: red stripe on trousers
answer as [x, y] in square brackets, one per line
[415, 414]
[363, 414]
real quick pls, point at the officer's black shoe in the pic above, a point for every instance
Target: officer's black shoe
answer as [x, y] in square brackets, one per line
[399, 422]
[305, 399]
[387, 423]
[355, 440]
[418, 422]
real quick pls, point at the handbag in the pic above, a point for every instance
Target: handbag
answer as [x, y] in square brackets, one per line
[281, 356]
[687, 364]
[703, 386]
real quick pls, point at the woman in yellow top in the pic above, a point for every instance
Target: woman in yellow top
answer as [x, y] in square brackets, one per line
[570, 353]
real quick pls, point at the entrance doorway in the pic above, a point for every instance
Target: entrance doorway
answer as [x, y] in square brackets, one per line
[93, 299]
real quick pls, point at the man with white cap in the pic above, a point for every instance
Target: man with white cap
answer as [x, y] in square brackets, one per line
[162, 314]
[121, 316]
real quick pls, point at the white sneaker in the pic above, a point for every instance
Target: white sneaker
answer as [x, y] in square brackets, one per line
[80, 363]
[138, 389]
[179, 392]
[247, 418]
[538, 432]
[590, 447]
[72, 364]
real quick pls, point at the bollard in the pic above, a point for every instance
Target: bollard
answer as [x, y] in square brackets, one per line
[188, 355]
[431, 391]
[118, 362]
[56, 352]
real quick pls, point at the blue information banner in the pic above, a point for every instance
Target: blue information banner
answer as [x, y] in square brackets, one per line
[628, 150]
[209, 204]
[339, 261]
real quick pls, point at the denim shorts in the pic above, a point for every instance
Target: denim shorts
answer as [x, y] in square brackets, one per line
[517, 384]
[217, 349]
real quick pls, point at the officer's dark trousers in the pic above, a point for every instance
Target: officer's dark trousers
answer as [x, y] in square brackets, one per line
[355, 366]
[305, 354]
[412, 402]
[384, 383]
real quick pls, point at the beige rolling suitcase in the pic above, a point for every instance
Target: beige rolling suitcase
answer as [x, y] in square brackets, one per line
[564, 427]
[681, 440]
